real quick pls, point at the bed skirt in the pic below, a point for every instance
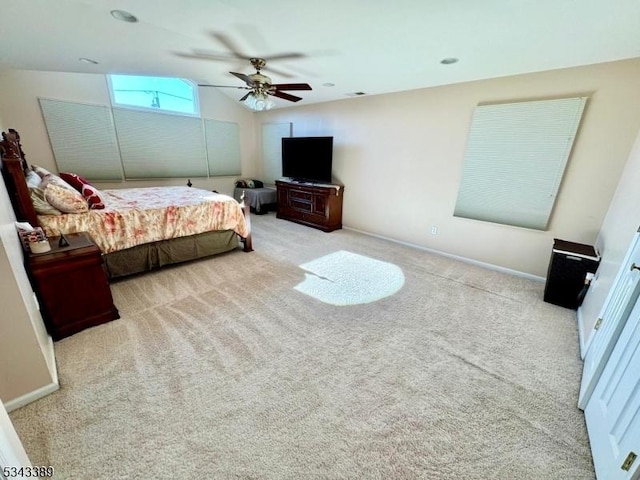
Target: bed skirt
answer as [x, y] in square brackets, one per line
[151, 256]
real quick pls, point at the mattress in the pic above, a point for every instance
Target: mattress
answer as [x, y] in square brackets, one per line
[135, 216]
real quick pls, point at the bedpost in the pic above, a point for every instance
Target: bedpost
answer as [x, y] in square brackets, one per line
[13, 165]
[246, 209]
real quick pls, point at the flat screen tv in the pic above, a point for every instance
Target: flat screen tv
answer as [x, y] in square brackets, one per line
[307, 159]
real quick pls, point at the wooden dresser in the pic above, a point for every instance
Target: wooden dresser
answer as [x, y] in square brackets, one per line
[314, 205]
[71, 286]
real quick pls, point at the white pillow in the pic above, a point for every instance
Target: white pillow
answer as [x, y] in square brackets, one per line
[40, 171]
[33, 179]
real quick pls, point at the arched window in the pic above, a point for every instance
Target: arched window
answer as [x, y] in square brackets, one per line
[154, 93]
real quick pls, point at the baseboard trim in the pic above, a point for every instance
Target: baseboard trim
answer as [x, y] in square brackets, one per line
[489, 266]
[31, 397]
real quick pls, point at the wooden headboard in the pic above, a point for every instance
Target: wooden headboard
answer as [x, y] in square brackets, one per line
[14, 166]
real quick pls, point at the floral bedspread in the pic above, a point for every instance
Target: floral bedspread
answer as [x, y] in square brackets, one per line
[133, 216]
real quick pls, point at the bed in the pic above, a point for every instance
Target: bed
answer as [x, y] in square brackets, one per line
[138, 229]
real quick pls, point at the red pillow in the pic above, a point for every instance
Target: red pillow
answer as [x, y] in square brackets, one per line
[76, 181]
[92, 196]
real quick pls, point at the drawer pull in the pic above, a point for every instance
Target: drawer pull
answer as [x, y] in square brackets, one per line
[634, 267]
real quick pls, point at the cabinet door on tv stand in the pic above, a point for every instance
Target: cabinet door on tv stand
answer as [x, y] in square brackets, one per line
[320, 205]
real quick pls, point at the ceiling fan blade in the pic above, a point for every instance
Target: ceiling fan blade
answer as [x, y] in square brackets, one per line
[224, 86]
[285, 96]
[212, 55]
[232, 47]
[245, 97]
[284, 56]
[201, 55]
[245, 78]
[292, 86]
[235, 51]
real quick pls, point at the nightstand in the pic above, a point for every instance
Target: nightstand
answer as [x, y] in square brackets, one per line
[71, 286]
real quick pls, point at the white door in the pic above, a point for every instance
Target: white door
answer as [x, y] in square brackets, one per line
[614, 314]
[613, 412]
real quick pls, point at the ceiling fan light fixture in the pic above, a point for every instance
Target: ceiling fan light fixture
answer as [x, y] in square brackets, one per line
[259, 102]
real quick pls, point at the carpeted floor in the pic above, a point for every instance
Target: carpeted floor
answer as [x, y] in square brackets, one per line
[221, 369]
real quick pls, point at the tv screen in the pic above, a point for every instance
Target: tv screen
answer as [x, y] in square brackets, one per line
[307, 158]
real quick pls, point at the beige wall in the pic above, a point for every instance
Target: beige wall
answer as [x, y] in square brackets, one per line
[619, 227]
[27, 363]
[23, 365]
[400, 155]
[400, 158]
[20, 89]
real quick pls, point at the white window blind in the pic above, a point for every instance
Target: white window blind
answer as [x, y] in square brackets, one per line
[223, 147]
[83, 139]
[104, 143]
[516, 156]
[272, 135]
[155, 145]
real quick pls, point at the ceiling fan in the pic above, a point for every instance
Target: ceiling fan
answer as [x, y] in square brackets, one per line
[234, 53]
[260, 87]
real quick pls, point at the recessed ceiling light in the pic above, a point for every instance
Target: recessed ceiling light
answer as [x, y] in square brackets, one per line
[124, 16]
[328, 84]
[88, 60]
[449, 61]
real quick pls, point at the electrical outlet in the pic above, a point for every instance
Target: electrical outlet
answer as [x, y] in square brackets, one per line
[434, 230]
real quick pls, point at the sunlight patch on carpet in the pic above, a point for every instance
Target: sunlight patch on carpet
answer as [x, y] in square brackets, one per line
[345, 278]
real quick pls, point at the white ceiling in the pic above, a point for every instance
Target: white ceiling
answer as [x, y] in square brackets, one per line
[372, 46]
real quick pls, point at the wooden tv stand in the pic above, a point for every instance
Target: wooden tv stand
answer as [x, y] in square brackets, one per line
[312, 204]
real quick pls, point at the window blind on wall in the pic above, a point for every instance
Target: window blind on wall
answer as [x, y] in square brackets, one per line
[156, 145]
[516, 156]
[83, 139]
[272, 135]
[223, 147]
